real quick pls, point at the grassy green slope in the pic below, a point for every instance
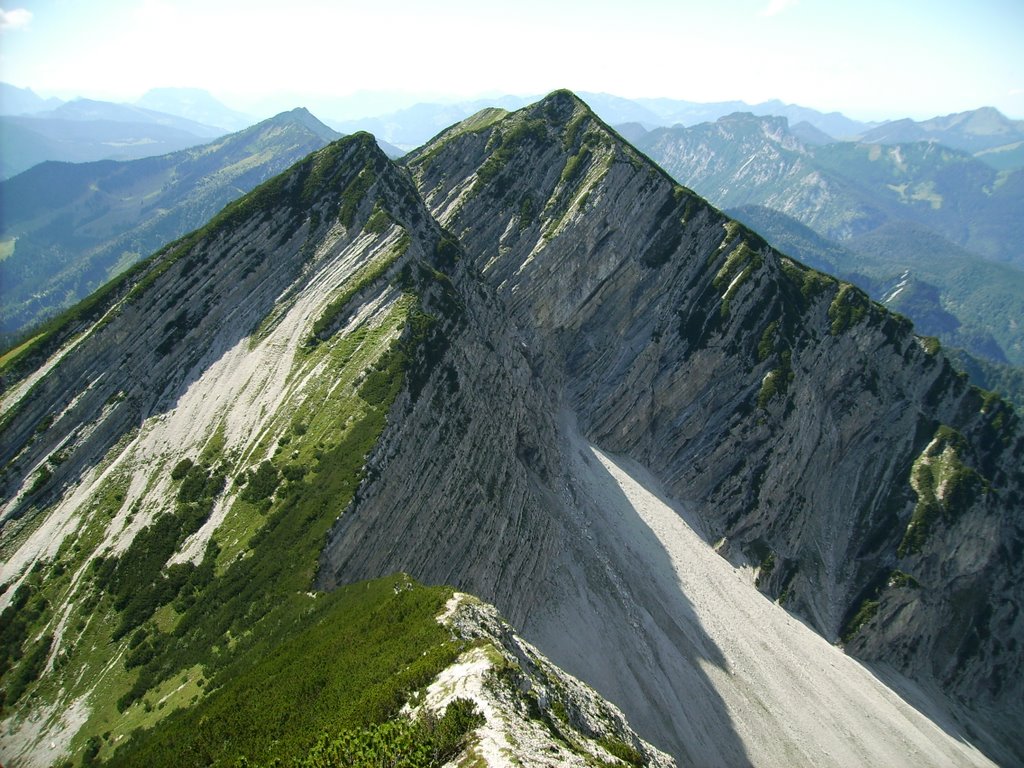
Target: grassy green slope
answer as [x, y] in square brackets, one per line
[113, 640]
[354, 658]
[141, 638]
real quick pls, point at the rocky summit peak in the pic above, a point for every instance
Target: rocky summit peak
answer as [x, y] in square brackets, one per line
[561, 105]
[303, 116]
[299, 112]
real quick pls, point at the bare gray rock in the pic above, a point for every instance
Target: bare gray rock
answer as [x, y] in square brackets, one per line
[785, 407]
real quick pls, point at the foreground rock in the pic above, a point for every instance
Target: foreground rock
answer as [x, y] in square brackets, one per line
[536, 714]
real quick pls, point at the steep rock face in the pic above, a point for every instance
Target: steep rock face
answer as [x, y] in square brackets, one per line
[512, 683]
[271, 308]
[177, 447]
[134, 352]
[479, 435]
[717, 320]
[783, 406]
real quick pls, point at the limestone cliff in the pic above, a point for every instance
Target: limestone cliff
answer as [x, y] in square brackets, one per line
[816, 437]
[134, 350]
[175, 448]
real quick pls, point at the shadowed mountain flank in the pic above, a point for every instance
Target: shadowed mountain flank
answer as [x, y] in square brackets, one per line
[794, 416]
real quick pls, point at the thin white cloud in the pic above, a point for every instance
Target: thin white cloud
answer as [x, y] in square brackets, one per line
[775, 7]
[14, 19]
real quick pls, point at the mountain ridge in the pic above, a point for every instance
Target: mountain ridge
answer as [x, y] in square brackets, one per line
[88, 110]
[22, 101]
[194, 104]
[430, 366]
[974, 131]
[518, 252]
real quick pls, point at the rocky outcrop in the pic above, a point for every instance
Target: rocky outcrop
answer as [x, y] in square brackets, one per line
[535, 713]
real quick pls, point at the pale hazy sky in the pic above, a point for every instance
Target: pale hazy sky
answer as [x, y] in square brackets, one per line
[870, 59]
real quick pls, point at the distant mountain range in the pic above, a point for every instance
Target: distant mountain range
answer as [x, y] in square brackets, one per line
[23, 101]
[410, 127]
[68, 228]
[195, 104]
[34, 130]
[89, 110]
[938, 212]
[672, 112]
[986, 133]
[83, 130]
[979, 130]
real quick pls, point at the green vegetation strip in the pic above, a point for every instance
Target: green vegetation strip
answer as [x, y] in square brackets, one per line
[360, 652]
[865, 613]
[13, 354]
[520, 133]
[481, 121]
[847, 309]
[776, 381]
[362, 279]
[426, 742]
